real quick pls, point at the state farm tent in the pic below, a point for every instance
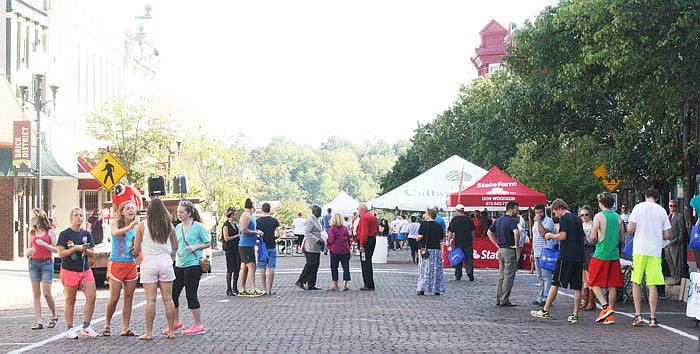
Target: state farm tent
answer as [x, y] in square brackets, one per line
[432, 187]
[494, 190]
[343, 204]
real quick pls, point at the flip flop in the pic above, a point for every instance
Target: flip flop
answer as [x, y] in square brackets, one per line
[106, 332]
[53, 322]
[128, 333]
[37, 325]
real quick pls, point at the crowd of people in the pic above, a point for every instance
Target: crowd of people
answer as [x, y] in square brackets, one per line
[171, 257]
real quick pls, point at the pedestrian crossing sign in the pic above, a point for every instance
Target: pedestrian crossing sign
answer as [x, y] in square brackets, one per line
[108, 171]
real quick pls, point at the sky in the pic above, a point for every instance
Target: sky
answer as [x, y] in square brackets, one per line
[361, 70]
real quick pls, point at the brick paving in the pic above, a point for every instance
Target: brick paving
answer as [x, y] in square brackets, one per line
[390, 319]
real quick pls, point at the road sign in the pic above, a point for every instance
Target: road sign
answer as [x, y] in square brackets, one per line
[611, 184]
[108, 171]
[602, 173]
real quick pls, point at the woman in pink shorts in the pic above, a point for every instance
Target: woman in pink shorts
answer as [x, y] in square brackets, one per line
[74, 244]
[156, 240]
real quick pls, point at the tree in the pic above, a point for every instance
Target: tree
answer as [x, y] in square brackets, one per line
[133, 136]
[288, 209]
[627, 71]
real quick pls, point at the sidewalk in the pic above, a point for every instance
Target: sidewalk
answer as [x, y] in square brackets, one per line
[16, 287]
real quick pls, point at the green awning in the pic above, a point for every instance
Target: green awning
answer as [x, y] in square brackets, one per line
[49, 166]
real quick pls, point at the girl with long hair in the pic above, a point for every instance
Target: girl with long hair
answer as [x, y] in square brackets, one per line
[121, 269]
[43, 240]
[231, 236]
[156, 239]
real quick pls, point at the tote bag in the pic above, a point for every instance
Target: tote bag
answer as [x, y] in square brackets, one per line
[549, 258]
[695, 238]
[262, 252]
[456, 257]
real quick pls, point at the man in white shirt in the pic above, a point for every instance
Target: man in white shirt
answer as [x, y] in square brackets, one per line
[403, 231]
[650, 226]
[394, 236]
[298, 224]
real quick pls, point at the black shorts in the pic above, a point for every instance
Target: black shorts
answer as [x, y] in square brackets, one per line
[568, 274]
[247, 254]
[300, 238]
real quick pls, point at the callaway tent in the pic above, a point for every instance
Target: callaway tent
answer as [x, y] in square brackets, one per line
[432, 187]
[343, 204]
[494, 190]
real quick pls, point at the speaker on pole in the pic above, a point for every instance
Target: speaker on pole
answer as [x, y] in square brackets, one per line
[156, 186]
[180, 184]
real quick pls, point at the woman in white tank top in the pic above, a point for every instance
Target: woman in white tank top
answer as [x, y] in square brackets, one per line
[156, 238]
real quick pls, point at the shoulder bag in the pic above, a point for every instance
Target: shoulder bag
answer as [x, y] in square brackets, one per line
[424, 250]
[549, 258]
[262, 251]
[695, 237]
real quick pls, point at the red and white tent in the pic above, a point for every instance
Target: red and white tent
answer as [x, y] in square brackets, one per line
[494, 190]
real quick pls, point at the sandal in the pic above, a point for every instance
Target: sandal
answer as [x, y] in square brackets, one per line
[106, 332]
[128, 333]
[53, 322]
[37, 325]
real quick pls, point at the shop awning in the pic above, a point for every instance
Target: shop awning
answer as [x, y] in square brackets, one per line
[49, 167]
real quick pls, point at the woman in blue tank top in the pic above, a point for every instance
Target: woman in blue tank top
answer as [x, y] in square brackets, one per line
[249, 235]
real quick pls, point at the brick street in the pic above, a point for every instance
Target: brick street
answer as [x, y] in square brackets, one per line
[390, 319]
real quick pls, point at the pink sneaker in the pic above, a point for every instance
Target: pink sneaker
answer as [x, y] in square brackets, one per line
[194, 330]
[176, 326]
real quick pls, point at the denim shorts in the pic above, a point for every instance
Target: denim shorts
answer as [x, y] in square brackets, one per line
[41, 270]
[272, 262]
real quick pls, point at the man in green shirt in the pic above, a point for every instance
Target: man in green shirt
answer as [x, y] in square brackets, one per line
[604, 268]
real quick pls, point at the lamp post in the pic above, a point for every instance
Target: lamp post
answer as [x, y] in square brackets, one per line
[38, 105]
[179, 139]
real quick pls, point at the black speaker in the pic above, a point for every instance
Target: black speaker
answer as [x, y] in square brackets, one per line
[156, 186]
[180, 184]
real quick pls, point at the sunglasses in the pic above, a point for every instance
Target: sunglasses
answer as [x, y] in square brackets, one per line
[582, 215]
[672, 206]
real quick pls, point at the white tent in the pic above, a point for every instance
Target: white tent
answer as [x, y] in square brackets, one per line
[431, 188]
[343, 204]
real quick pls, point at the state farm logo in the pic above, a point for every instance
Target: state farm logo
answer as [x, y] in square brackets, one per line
[485, 254]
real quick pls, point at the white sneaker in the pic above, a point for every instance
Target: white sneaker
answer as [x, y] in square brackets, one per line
[71, 334]
[88, 332]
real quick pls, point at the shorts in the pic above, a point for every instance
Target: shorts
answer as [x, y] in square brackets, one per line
[41, 270]
[300, 238]
[157, 268]
[649, 265]
[394, 236]
[76, 279]
[122, 271]
[568, 274]
[247, 254]
[402, 236]
[605, 273]
[272, 259]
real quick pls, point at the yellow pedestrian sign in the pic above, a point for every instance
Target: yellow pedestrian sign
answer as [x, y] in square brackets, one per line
[108, 171]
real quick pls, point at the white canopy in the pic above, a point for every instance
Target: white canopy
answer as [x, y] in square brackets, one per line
[432, 188]
[343, 204]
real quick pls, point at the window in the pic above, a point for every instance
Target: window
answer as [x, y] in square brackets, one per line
[495, 67]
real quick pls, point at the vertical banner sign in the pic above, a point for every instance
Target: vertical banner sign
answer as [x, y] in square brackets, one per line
[21, 146]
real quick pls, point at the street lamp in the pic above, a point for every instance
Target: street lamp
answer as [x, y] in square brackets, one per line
[39, 64]
[179, 139]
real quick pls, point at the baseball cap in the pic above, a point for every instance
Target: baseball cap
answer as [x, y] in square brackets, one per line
[460, 207]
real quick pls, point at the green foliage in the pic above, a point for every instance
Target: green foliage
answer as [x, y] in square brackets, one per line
[133, 136]
[288, 210]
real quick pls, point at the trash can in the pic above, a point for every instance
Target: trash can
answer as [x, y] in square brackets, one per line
[380, 250]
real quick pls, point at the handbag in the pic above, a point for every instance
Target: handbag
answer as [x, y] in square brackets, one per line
[456, 257]
[204, 263]
[549, 258]
[262, 252]
[695, 237]
[445, 258]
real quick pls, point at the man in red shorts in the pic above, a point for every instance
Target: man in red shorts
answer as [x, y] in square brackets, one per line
[604, 268]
